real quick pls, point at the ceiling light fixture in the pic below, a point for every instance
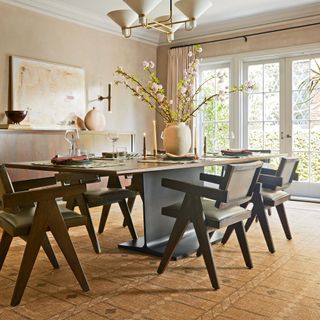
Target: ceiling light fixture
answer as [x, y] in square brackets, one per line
[168, 24]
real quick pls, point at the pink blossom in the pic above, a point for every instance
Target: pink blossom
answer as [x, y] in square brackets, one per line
[151, 64]
[183, 90]
[160, 97]
[138, 88]
[199, 50]
[145, 64]
[190, 54]
[171, 102]
[155, 87]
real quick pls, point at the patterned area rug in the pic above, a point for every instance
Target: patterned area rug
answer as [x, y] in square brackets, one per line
[125, 285]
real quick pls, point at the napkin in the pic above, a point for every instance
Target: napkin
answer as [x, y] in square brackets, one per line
[68, 159]
[236, 152]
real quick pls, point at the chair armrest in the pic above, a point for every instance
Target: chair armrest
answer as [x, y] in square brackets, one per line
[210, 193]
[76, 178]
[21, 198]
[270, 182]
[270, 172]
[211, 178]
[22, 185]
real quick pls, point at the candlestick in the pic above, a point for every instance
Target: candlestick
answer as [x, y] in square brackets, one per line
[144, 146]
[195, 141]
[205, 146]
[155, 148]
[109, 97]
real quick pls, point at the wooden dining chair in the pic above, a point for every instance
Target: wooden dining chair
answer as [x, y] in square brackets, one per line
[274, 182]
[104, 197]
[29, 214]
[210, 209]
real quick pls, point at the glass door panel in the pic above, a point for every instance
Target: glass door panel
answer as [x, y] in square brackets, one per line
[262, 107]
[306, 121]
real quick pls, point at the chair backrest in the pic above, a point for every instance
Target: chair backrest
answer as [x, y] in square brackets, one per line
[261, 151]
[239, 181]
[286, 171]
[5, 185]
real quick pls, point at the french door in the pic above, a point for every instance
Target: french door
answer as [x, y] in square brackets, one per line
[282, 116]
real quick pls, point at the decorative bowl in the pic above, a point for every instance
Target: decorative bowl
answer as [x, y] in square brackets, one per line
[16, 116]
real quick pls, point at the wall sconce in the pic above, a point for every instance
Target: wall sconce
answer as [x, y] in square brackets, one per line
[108, 97]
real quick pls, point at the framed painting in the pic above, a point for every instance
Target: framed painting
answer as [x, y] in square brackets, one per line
[52, 93]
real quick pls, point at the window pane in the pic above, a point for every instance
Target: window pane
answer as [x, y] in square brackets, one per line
[315, 106]
[303, 167]
[300, 135]
[315, 136]
[222, 135]
[209, 129]
[300, 105]
[255, 135]
[222, 110]
[255, 75]
[315, 167]
[255, 107]
[271, 107]
[271, 77]
[300, 72]
[271, 135]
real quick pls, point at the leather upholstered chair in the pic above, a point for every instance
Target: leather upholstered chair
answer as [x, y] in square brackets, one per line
[104, 197]
[210, 209]
[19, 207]
[272, 194]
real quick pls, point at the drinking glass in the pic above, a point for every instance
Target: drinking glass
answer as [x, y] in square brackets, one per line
[72, 136]
[113, 137]
[121, 154]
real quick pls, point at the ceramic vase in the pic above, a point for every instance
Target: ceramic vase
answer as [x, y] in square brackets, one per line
[177, 139]
[95, 120]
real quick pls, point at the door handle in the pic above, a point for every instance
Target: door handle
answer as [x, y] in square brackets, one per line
[289, 136]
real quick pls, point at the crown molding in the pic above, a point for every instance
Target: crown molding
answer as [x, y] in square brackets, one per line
[75, 15]
[300, 14]
[215, 28]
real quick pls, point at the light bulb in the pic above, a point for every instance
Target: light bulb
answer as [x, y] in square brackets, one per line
[190, 25]
[126, 32]
[170, 37]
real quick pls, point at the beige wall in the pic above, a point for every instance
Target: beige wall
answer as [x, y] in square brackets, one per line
[29, 34]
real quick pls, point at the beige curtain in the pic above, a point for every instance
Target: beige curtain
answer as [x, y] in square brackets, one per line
[177, 64]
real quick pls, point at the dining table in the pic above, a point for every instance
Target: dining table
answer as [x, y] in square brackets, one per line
[147, 174]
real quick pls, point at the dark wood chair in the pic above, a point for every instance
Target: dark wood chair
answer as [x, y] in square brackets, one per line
[223, 209]
[29, 214]
[104, 197]
[274, 182]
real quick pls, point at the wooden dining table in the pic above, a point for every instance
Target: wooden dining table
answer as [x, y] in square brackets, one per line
[147, 175]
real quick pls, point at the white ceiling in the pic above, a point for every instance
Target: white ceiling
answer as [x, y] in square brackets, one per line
[222, 16]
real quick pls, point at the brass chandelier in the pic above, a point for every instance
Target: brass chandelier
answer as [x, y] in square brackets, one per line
[169, 24]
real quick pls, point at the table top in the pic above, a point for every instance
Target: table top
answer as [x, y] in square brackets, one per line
[133, 166]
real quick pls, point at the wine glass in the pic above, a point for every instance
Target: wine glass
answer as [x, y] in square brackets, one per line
[113, 137]
[72, 136]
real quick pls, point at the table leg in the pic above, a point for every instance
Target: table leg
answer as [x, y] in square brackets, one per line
[157, 228]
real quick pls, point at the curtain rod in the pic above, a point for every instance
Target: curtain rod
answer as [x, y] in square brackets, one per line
[246, 36]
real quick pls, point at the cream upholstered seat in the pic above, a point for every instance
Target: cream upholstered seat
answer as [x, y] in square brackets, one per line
[215, 217]
[210, 208]
[273, 198]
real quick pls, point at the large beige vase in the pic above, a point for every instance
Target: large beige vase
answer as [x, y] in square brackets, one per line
[177, 139]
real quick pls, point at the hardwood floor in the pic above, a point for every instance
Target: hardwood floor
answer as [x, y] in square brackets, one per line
[125, 285]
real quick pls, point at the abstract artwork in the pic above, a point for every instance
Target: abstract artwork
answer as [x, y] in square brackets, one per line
[52, 93]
